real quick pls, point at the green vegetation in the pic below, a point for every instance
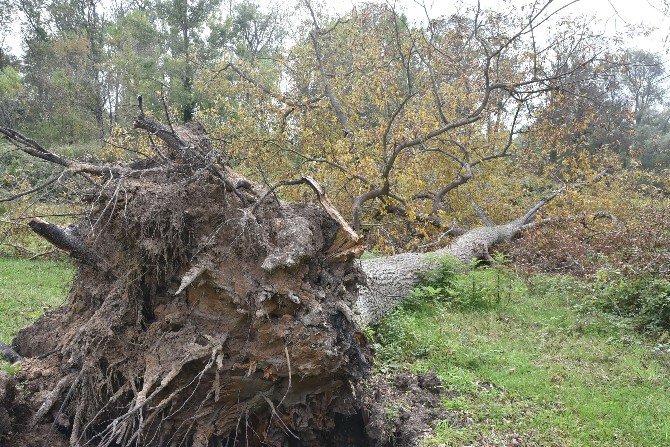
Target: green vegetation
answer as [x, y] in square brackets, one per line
[530, 362]
[28, 289]
[642, 299]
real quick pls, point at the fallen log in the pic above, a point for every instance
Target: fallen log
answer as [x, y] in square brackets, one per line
[390, 279]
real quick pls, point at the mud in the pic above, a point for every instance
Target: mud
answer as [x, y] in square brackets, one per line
[400, 410]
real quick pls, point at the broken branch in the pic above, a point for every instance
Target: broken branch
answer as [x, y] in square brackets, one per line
[66, 240]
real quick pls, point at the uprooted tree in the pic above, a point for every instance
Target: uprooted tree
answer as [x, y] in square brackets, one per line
[206, 311]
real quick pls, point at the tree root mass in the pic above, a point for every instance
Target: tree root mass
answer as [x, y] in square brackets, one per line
[202, 322]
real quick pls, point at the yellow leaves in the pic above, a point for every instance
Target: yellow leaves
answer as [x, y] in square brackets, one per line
[395, 87]
[74, 47]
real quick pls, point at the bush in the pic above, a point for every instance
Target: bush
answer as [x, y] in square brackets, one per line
[476, 289]
[643, 299]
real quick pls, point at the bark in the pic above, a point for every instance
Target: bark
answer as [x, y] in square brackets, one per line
[391, 279]
[66, 239]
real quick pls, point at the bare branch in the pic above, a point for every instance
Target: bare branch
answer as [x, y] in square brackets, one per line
[32, 147]
[530, 214]
[166, 134]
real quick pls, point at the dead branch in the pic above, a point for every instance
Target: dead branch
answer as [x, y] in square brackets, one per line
[347, 243]
[65, 239]
[155, 127]
[33, 148]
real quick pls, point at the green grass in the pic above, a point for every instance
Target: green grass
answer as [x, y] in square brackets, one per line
[28, 289]
[533, 367]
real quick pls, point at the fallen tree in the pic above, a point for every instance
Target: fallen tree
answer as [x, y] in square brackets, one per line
[390, 279]
[208, 312]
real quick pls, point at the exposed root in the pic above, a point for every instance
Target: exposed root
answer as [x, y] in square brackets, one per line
[190, 276]
[52, 397]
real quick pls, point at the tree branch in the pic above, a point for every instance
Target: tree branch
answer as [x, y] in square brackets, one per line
[32, 147]
[65, 239]
[155, 127]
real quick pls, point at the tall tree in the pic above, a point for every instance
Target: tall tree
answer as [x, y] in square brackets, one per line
[136, 51]
[249, 33]
[63, 64]
[6, 18]
[184, 21]
[643, 74]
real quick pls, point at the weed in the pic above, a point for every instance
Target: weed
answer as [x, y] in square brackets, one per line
[642, 299]
[474, 289]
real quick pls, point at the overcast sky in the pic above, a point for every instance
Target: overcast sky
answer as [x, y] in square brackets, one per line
[610, 16]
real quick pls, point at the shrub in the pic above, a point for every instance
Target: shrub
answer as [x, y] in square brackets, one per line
[475, 289]
[642, 298]
[583, 243]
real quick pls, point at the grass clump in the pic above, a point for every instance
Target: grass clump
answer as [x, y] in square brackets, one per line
[642, 299]
[480, 289]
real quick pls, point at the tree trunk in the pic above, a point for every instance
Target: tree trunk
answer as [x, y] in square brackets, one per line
[390, 279]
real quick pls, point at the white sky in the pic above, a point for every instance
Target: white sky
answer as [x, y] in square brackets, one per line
[610, 16]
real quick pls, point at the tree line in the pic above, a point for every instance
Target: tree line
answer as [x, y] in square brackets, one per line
[84, 62]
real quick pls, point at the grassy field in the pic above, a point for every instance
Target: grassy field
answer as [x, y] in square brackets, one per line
[527, 364]
[27, 289]
[525, 361]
